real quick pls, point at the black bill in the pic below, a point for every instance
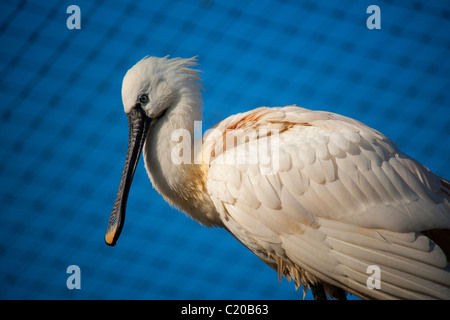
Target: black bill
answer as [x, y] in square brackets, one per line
[138, 125]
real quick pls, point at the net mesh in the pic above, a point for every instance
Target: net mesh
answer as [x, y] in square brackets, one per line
[64, 133]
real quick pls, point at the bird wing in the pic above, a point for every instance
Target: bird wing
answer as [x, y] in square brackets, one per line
[317, 195]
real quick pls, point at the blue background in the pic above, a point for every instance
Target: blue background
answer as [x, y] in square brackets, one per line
[64, 134]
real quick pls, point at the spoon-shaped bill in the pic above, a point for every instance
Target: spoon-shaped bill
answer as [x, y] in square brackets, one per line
[138, 125]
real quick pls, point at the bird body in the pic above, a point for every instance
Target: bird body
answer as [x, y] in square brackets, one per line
[319, 197]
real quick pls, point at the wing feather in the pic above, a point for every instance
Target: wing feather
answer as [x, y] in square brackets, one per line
[293, 181]
[265, 192]
[341, 199]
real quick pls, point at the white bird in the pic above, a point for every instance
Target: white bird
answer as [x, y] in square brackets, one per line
[332, 202]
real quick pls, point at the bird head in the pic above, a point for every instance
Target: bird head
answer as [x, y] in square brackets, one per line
[149, 89]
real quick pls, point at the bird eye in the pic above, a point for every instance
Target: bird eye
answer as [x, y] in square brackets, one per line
[143, 98]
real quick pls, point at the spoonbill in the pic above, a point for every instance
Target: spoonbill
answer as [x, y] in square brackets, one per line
[334, 206]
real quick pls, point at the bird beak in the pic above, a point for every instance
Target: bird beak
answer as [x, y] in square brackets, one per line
[138, 125]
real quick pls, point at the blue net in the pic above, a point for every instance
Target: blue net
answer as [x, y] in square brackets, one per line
[64, 133]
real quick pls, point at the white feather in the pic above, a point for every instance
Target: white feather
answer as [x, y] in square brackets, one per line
[337, 206]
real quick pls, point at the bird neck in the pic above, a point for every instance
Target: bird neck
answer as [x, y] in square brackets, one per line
[172, 161]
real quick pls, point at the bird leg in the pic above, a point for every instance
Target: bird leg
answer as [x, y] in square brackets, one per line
[339, 294]
[318, 291]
